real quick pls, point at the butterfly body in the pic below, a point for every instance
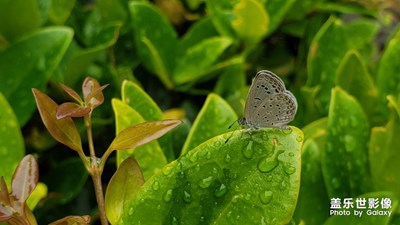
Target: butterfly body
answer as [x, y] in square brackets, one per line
[268, 103]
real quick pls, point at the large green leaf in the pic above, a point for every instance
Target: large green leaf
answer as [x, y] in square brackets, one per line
[140, 101]
[20, 69]
[213, 119]
[198, 59]
[323, 59]
[201, 30]
[11, 142]
[155, 39]
[344, 159]
[354, 78]
[252, 179]
[150, 156]
[18, 18]
[384, 156]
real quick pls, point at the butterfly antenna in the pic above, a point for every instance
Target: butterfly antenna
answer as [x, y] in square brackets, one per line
[232, 124]
[232, 132]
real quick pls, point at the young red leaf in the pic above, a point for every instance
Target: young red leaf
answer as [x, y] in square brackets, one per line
[72, 220]
[88, 86]
[72, 93]
[25, 178]
[123, 186]
[5, 204]
[62, 130]
[142, 133]
[92, 92]
[70, 109]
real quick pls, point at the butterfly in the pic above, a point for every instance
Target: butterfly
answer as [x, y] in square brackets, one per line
[268, 103]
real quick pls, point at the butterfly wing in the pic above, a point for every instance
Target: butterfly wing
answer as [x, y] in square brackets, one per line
[268, 103]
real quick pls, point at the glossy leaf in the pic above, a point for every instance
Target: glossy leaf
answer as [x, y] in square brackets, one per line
[62, 130]
[140, 101]
[383, 154]
[241, 182]
[70, 109]
[11, 142]
[250, 12]
[354, 78]
[201, 30]
[60, 10]
[320, 70]
[93, 92]
[155, 39]
[221, 16]
[71, 92]
[21, 69]
[346, 175]
[122, 187]
[150, 156]
[198, 59]
[13, 23]
[72, 220]
[38, 194]
[25, 178]
[214, 119]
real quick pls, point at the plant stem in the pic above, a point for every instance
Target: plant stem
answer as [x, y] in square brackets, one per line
[95, 172]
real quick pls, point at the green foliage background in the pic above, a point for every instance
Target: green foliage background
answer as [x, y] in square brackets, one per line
[339, 58]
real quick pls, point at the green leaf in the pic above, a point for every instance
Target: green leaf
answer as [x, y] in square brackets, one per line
[122, 187]
[388, 76]
[18, 18]
[63, 130]
[60, 10]
[11, 142]
[221, 16]
[250, 12]
[214, 119]
[277, 9]
[38, 194]
[252, 179]
[312, 204]
[155, 39]
[198, 59]
[361, 31]
[344, 159]
[140, 101]
[320, 70]
[365, 218]
[383, 154]
[354, 78]
[201, 30]
[21, 69]
[150, 157]
[111, 11]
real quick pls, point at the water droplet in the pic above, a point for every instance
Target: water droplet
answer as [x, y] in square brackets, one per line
[208, 155]
[269, 178]
[174, 221]
[202, 219]
[193, 157]
[267, 164]
[247, 196]
[214, 170]
[168, 195]
[197, 167]
[349, 143]
[228, 158]
[287, 131]
[187, 197]
[289, 169]
[283, 185]
[291, 154]
[217, 144]
[167, 170]
[156, 185]
[130, 212]
[299, 138]
[248, 151]
[206, 182]
[220, 191]
[265, 196]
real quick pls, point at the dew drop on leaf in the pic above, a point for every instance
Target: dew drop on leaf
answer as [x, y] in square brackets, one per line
[228, 158]
[206, 182]
[156, 185]
[167, 195]
[220, 191]
[265, 196]
[187, 197]
[248, 151]
[267, 164]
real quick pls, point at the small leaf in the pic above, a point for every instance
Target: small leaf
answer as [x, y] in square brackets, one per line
[25, 178]
[4, 197]
[62, 130]
[72, 220]
[92, 92]
[72, 93]
[88, 86]
[70, 109]
[123, 187]
[141, 134]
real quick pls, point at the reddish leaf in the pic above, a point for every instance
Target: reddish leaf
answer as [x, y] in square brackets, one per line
[88, 86]
[92, 92]
[72, 220]
[141, 134]
[72, 93]
[62, 130]
[4, 197]
[70, 109]
[25, 178]
[123, 186]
